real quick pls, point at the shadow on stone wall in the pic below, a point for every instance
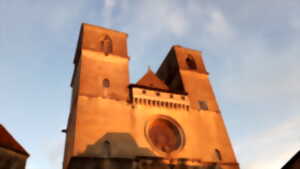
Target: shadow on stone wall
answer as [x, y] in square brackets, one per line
[10, 160]
[119, 145]
[120, 151]
[126, 163]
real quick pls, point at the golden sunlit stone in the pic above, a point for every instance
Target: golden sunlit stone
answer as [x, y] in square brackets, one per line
[167, 119]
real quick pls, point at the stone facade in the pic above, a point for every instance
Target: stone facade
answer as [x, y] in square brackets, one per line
[166, 120]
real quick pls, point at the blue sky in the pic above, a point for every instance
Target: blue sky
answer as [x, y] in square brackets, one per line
[251, 50]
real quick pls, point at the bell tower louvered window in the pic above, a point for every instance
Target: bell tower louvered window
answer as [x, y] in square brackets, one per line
[106, 45]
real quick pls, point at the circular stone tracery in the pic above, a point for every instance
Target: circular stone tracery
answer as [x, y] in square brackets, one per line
[165, 135]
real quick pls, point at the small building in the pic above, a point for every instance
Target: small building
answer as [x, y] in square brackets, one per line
[12, 154]
[293, 163]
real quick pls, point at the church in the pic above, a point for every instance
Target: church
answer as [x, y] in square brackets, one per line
[168, 119]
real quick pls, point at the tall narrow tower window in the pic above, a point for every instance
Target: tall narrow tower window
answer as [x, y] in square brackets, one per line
[107, 148]
[218, 154]
[106, 45]
[106, 83]
[191, 62]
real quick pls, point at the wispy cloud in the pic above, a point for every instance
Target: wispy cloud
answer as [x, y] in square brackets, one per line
[218, 25]
[271, 148]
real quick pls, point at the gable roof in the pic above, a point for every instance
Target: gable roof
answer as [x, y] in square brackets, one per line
[293, 162]
[7, 141]
[152, 81]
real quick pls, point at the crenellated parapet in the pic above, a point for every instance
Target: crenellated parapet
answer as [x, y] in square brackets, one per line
[159, 98]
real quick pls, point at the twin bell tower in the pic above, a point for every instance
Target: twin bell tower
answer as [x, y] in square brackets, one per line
[168, 119]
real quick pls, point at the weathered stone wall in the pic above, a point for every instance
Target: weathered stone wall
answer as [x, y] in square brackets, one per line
[142, 163]
[11, 160]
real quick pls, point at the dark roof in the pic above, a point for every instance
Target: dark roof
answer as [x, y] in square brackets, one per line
[152, 81]
[7, 141]
[292, 161]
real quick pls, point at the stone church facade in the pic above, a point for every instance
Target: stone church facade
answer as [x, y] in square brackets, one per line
[168, 119]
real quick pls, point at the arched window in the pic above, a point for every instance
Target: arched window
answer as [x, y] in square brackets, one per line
[191, 62]
[218, 155]
[106, 44]
[106, 83]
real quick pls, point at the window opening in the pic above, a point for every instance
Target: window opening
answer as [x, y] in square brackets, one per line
[191, 63]
[106, 83]
[202, 105]
[106, 45]
[107, 148]
[218, 154]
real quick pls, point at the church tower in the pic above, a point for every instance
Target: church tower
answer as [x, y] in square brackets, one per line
[100, 89]
[167, 119]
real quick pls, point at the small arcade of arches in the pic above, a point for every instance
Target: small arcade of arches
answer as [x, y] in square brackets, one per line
[159, 103]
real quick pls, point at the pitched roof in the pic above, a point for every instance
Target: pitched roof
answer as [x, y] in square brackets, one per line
[7, 141]
[152, 81]
[293, 162]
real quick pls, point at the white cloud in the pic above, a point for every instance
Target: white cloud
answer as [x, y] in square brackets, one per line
[109, 3]
[155, 17]
[272, 148]
[255, 72]
[107, 12]
[218, 25]
[177, 23]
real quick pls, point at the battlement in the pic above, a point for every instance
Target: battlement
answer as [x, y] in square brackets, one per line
[161, 98]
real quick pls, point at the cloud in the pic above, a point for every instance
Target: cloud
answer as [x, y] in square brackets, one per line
[251, 50]
[55, 153]
[109, 3]
[218, 25]
[262, 72]
[152, 16]
[271, 148]
[177, 23]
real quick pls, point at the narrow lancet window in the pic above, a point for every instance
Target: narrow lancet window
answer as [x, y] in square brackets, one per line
[191, 62]
[106, 45]
[218, 155]
[106, 83]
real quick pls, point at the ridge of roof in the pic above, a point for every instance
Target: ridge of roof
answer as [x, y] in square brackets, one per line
[151, 80]
[9, 142]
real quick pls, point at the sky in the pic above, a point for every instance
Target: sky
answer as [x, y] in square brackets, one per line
[251, 49]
